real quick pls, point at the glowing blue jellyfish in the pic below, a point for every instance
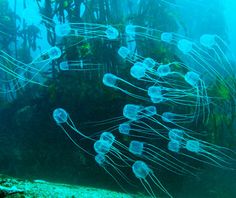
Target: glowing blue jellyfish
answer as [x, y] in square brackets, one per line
[139, 131]
[110, 166]
[158, 156]
[111, 33]
[204, 61]
[79, 65]
[155, 94]
[167, 37]
[113, 81]
[124, 52]
[107, 144]
[54, 52]
[138, 70]
[128, 55]
[86, 30]
[63, 120]
[23, 74]
[177, 118]
[174, 146]
[63, 29]
[163, 70]
[217, 45]
[149, 63]
[201, 150]
[142, 171]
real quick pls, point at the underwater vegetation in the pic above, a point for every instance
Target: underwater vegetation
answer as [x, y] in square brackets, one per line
[160, 101]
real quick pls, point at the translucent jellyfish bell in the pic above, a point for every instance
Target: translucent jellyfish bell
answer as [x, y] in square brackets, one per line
[192, 78]
[167, 117]
[64, 66]
[124, 52]
[143, 172]
[109, 80]
[62, 29]
[111, 33]
[60, 116]
[138, 70]
[208, 40]
[155, 94]
[193, 146]
[185, 46]
[124, 128]
[101, 147]
[176, 135]
[54, 52]
[167, 37]
[107, 137]
[163, 70]
[149, 63]
[132, 111]
[141, 169]
[174, 146]
[100, 159]
[136, 147]
[130, 30]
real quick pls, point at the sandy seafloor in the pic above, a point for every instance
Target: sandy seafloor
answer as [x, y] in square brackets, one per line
[17, 188]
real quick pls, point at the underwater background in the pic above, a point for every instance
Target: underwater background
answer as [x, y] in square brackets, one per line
[71, 69]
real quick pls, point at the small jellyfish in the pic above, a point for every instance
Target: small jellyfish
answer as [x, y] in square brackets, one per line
[54, 52]
[177, 118]
[167, 37]
[208, 40]
[155, 94]
[62, 119]
[102, 147]
[111, 32]
[185, 46]
[138, 70]
[130, 30]
[163, 70]
[149, 63]
[144, 173]
[110, 80]
[174, 146]
[193, 79]
[124, 52]
[62, 30]
[132, 112]
[108, 164]
[79, 65]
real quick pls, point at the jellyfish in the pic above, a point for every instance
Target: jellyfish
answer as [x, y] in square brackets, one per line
[214, 42]
[113, 81]
[202, 151]
[142, 171]
[107, 144]
[109, 165]
[22, 74]
[204, 61]
[86, 30]
[171, 117]
[129, 55]
[80, 65]
[159, 157]
[62, 119]
[133, 129]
